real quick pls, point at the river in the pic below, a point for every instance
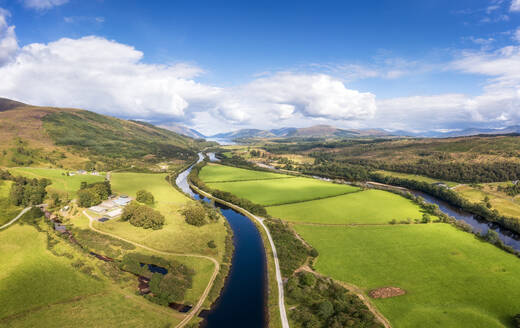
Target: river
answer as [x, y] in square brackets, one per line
[479, 225]
[243, 301]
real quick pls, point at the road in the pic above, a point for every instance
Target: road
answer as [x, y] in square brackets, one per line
[281, 300]
[204, 295]
[16, 218]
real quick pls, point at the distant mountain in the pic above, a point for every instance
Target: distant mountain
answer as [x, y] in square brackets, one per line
[185, 131]
[461, 133]
[317, 131]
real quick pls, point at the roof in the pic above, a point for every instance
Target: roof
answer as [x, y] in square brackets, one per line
[59, 227]
[97, 209]
[114, 213]
[122, 201]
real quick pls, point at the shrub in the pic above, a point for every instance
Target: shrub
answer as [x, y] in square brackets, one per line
[142, 216]
[516, 320]
[211, 244]
[195, 214]
[145, 197]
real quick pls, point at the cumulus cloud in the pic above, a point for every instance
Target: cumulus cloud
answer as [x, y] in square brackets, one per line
[111, 78]
[43, 4]
[8, 42]
[515, 5]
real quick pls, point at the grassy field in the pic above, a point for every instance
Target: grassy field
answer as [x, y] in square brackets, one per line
[354, 208]
[60, 182]
[38, 288]
[451, 278]
[176, 235]
[219, 173]
[416, 177]
[7, 211]
[506, 205]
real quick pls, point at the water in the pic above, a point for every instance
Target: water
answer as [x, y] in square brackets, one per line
[155, 268]
[243, 300]
[212, 157]
[482, 226]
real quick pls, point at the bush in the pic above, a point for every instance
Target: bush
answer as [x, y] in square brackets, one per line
[93, 194]
[142, 216]
[516, 321]
[145, 197]
[211, 244]
[195, 214]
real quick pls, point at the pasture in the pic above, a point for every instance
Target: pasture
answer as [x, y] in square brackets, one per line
[60, 181]
[451, 278]
[504, 204]
[364, 207]
[219, 173]
[176, 235]
[7, 211]
[283, 191]
[40, 289]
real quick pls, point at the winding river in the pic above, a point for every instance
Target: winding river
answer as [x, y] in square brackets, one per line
[243, 300]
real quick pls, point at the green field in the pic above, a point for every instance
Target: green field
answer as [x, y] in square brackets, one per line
[283, 191]
[451, 278]
[176, 235]
[416, 177]
[364, 207]
[504, 204]
[38, 288]
[60, 181]
[219, 173]
[7, 211]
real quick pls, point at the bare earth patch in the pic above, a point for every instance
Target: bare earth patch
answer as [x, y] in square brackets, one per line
[386, 292]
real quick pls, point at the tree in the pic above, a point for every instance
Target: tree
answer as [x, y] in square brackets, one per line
[145, 197]
[142, 216]
[211, 244]
[195, 214]
[516, 320]
[426, 218]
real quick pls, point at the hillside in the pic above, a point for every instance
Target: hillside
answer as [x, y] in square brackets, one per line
[73, 138]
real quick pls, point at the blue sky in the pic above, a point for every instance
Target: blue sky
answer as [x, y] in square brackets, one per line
[223, 65]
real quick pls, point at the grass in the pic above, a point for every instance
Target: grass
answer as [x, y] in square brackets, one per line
[219, 173]
[416, 177]
[451, 278]
[504, 204]
[354, 208]
[176, 235]
[60, 181]
[40, 289]
[7, 211]
[283, 191]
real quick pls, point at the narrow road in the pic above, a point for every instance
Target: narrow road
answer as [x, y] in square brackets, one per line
[204, 295]
[16, 218]
[281, 300]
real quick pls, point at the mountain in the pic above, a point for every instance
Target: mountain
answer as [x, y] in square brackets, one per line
[317, 131]
[185, 131]
[460, 133]
[70, 138]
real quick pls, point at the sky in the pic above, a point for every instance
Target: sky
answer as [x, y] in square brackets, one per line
[218, 66]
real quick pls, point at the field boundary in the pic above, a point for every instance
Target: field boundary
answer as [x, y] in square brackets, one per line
[246, 180]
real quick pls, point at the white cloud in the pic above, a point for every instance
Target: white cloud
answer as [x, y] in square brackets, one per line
[8, 42]
[43, 4]
[515, 5]
[516, 35]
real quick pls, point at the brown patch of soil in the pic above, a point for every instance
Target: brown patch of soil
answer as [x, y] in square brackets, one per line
[386, 292]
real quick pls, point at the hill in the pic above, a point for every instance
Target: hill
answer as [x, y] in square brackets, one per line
[183, 130]
[75, 138]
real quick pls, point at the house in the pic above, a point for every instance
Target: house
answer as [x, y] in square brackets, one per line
[108, 205]
[94, 173]
[515, 182]
[440, 184]
[97, 209]
[114, 213]
[71, 174]
[122, 200]
[81, 172]
[60, 228]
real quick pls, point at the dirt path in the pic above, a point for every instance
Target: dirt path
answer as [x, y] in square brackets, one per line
[204, 295]
[356, 290]
[16, 218]
[281, 300]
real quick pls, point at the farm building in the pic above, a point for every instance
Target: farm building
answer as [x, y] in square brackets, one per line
[97, 209]
[60, 228]
[114, 213]
[122, 200]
